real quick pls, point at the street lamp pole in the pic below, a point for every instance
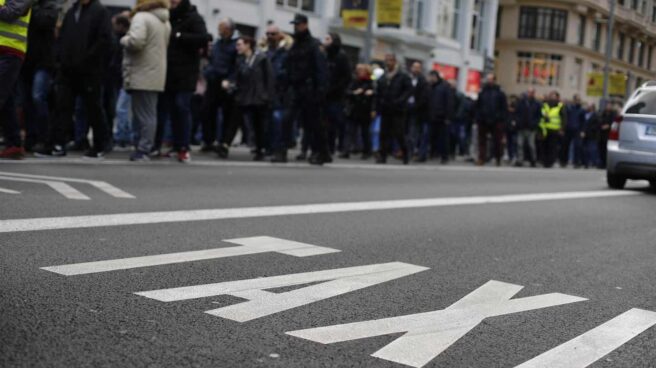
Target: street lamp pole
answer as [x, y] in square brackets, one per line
[368, 38]
[609, 51]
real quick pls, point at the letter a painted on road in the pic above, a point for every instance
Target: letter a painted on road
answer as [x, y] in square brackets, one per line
[262, 303]
[427, 335]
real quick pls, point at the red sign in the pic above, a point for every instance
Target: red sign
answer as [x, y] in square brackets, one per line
[473, 82]
[447, 72]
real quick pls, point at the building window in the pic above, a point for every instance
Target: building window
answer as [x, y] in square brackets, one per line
[414, 13]
[539, 69]
[634, 4]
[302, 5]
[653, 14]
[632, 45]
[582, 25]
[542, 23]
[650, 52]
[597, 38]
[477, 26]
[498, 25]
[641, 54]
[448, 17]
[620, 46]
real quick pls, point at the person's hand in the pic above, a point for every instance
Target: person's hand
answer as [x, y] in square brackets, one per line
[225, 85]
[373, 115]
[605, 127]
[358, 91]
[370, 92]
[582, 135]
[561, 132]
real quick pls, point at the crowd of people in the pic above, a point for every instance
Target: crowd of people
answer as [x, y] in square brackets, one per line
[153, 80]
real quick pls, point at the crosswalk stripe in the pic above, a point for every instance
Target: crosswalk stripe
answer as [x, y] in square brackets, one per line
[61, 187]
[253, 245]
[593, 345]
[9, 191]
[100, 185]
[79, 222]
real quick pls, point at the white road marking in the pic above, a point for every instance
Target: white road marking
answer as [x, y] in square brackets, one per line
[79, 222]
[254, 245]
[61, 187]
[593, 345]
[9, 191]
[263, 303]
[101, 185]
[427, 335]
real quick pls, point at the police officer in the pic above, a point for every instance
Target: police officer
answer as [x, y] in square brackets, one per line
[307, 87]
[14, 21]
[554, 118]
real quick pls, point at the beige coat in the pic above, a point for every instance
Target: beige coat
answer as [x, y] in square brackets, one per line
[145, 46]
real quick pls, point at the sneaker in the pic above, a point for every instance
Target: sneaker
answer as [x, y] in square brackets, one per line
[207, 148]
[155, 153]
[184, 156]
[12, 153]
[223, 151]
[79, 146]
[94, 155]
[55, 151]
[139, 156]
[301, 157]
[258, 157]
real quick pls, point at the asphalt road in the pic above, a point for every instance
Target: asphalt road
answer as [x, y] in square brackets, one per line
[462, 226]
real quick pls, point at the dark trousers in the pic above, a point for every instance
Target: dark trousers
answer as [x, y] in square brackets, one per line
[309, 115]
[392, 127]
[336, 124]
[550, 150]
[440, 139]
[497, 132]
[258, 117]
[89, 89]
[362, 124]
[176, 108]
[571, 141]
[603, 149]
[10, 66]
[216, 98]
[590, 152]
[35, 86]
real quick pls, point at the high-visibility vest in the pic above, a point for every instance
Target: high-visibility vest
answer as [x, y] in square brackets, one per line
[555, 121]
[13, 34]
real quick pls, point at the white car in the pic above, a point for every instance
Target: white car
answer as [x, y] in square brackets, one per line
[632, 140]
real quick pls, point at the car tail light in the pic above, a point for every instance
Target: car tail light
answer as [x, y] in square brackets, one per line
[614, 134]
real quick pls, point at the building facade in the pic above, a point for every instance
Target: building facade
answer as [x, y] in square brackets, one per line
[453, 36]
[559, 45]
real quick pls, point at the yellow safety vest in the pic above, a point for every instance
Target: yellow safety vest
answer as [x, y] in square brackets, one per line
[14, 34]
[553, 113]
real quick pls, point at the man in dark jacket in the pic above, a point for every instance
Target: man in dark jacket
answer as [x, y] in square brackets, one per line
[276, 50]
[188, 37]
[590, 137]
[491, 112]
[394, 90]
[84, 40]
[339, 79]
[606, 120]
[529, 113]
[417, 124]
[440, 111]
[307, 78]
[572, 134]
[221, 69]
[36, 74]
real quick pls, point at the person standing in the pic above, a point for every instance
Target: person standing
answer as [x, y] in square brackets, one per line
[221, 68]
[554, 119]
[307, 78]
[188, 38]
[360, 98]
[529, 114]
[276, 48]
[441, 108]
[590, 136]
[571, 142]
[14, 22]
[417, 123]
[491, 111]
[144, 69]
[84, 41]
[393, 91]
[36, 74]
[606, 120]
[123, 134]
[339, 79]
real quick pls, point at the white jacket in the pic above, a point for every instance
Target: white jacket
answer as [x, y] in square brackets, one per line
[145, 46]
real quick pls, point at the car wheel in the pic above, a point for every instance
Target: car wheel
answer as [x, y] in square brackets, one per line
[615, 181]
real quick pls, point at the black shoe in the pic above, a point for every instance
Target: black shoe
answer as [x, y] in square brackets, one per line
[344, 155]
[258, 157]
[381, 160]
[94, 155]
[79, 146]
[316, 160]
[55, 151]
[223, 151]
[327, 159]
[444, 161]
[365, 156]
[280, 157]
[406, 158]
[301, 157]
[419, 159]
[205, 148]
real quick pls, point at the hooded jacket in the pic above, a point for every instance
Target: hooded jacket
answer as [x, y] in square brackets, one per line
[41, 36]
[85, 41]
[442, 102]
[188, 37]
[278, 58]
[491, 106]
[307, 69]
[339, 71]
[145, 46]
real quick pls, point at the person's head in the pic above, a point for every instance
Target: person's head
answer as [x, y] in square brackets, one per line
[490, 79]
[363, 71]
[273, 34]
[120, 24]
[416, 68]
[84, 2]
[300, 23]
[576, 99]
[434, 77]
[245, 45]
[530, 93]
[226, 28]
[608, 107]
[554, 97]
[591, 107]
[390, 61]
[332, 42]
[175, 3]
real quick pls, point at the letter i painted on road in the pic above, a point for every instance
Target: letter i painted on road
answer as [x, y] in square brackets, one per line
[262, 303]
[427, 335]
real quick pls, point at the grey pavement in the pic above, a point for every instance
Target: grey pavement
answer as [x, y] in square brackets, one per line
[601, 249]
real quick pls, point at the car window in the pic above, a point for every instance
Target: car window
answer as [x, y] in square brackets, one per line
[644, 103]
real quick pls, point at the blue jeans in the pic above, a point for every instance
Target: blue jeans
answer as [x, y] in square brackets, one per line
[10, 66]
[123, 133]
[590, 153]
[511, 139]
[419, 137]
[459, 139]
[36, 89]
[275, 130]
[176, 107]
